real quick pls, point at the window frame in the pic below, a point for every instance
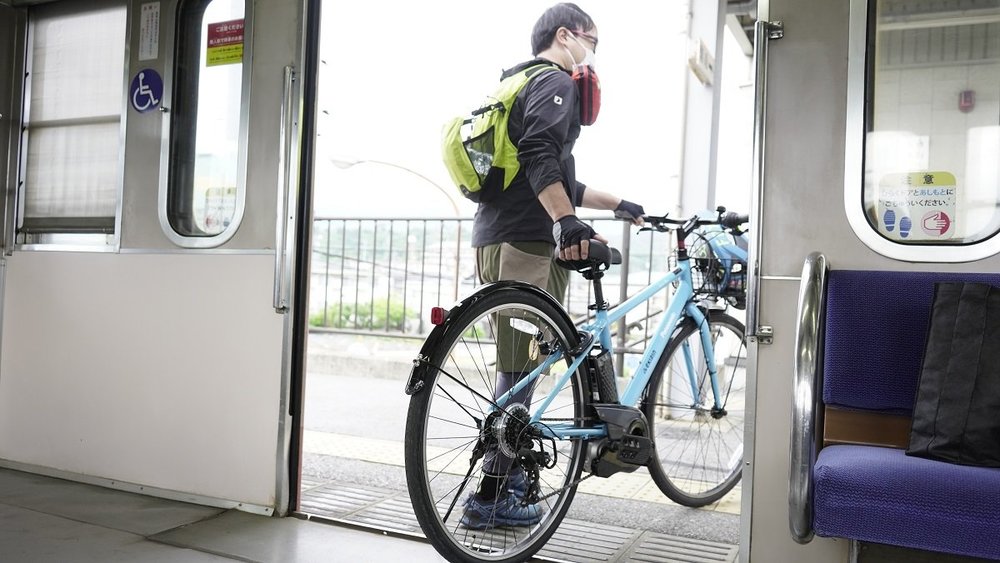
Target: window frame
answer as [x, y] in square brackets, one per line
[860, 71]
[87, 234]
[170, 79]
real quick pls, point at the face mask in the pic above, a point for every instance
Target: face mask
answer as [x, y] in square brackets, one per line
[587, 84]
[589, 58]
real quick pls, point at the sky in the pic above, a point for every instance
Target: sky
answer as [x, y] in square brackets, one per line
[393, 74]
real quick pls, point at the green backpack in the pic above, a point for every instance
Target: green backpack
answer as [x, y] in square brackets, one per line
[477, 150]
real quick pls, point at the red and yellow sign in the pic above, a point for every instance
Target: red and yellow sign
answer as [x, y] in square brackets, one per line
[225, 43]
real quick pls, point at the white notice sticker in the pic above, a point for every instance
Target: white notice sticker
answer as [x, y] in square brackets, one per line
[149, 31]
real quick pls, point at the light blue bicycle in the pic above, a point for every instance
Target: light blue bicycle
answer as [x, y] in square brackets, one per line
[507, 390]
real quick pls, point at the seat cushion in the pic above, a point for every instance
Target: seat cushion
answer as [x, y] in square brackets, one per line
[876, 327]
[881, 495]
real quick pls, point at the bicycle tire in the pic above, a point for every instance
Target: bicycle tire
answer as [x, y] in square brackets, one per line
[438, 452]
[698, 452]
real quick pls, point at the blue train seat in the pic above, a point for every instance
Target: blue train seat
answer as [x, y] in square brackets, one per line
[861, 485]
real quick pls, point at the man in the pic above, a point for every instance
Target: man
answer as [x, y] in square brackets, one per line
[516, 234]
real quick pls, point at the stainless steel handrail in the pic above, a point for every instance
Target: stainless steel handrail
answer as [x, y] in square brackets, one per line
[286, 162]
[764, 31]
[805, 395]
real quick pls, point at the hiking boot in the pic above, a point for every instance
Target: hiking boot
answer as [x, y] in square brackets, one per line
[505, 510]
[516, 484]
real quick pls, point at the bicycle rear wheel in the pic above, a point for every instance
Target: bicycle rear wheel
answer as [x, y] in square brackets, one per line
[699, 448]
[454, 434]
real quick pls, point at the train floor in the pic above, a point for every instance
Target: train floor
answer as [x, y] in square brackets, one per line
[45, 520]
[49, 520]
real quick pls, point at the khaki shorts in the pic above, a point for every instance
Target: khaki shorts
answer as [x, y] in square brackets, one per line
[521, 261]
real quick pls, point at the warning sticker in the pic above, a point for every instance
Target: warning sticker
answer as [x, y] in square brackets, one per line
[149, 31]
[917, 206]
[225, 43]
[220, 207]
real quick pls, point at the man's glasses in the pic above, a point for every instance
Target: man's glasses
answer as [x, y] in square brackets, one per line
[588, 37]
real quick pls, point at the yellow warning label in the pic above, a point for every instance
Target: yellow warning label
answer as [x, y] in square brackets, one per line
[225, 43]
[917, 205]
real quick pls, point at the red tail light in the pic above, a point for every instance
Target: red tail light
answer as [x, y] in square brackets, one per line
[438, 315]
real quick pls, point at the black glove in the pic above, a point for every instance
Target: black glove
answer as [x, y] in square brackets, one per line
[569, 231]
[628, 210]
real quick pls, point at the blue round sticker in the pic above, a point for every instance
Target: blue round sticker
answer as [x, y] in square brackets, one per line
[146, 90]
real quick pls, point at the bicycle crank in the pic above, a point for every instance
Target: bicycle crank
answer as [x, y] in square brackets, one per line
[627, 446]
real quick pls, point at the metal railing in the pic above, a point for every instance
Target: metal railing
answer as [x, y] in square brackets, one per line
[382, 276]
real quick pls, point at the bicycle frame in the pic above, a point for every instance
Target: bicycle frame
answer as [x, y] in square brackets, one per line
[681, 305]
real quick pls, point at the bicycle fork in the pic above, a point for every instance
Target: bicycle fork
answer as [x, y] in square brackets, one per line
[708, 350]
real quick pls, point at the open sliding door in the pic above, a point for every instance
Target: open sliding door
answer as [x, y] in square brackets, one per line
[148, 326]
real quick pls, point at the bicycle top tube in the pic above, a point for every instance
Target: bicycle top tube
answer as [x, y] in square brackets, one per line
[613, 314]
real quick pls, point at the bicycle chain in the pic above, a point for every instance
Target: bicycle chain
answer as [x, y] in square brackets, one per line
[573, 484]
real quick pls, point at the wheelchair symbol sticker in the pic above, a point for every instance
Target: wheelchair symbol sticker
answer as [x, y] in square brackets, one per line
[146, 90]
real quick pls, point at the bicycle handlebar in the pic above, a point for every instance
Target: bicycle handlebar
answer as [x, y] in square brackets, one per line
[733, 220]
[730, 220]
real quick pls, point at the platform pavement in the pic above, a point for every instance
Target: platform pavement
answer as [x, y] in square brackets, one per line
[361, 355]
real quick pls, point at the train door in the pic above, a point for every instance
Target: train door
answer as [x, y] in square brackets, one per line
[148, 300]
[855, 93]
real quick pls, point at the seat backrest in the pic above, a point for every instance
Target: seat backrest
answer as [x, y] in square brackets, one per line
[876, 329]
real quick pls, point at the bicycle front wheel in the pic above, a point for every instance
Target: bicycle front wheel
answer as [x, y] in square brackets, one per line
[485, 482]
[698, 443]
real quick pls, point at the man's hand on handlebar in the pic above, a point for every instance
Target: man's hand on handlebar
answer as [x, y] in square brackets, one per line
[630, 211]
[572, 237]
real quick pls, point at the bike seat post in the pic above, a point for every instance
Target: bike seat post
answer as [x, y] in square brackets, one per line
[595, 277]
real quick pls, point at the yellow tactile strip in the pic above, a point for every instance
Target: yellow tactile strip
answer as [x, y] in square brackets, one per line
[635, 486]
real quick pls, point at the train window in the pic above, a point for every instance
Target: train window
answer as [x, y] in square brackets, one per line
[207, 158]
[71, 169]
[931, 175]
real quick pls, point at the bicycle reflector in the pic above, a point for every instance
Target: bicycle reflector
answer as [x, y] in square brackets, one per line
[438, 315]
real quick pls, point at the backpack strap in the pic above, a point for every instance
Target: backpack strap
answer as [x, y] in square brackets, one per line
[531, 71]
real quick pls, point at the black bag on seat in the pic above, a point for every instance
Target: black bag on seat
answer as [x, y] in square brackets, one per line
[956, 415]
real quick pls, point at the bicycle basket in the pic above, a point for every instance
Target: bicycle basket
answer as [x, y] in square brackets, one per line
[716, 267]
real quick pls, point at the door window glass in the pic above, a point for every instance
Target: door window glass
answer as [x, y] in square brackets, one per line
[932, 146]
[207, 127]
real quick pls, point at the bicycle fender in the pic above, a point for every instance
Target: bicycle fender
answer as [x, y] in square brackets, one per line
[423, 368]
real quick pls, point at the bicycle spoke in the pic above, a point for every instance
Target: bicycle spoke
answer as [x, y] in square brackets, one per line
[465, 382]
[485, 371]
[437, 457]
[461, 488]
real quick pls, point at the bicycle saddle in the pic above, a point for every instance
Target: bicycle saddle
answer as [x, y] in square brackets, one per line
[599, 257]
